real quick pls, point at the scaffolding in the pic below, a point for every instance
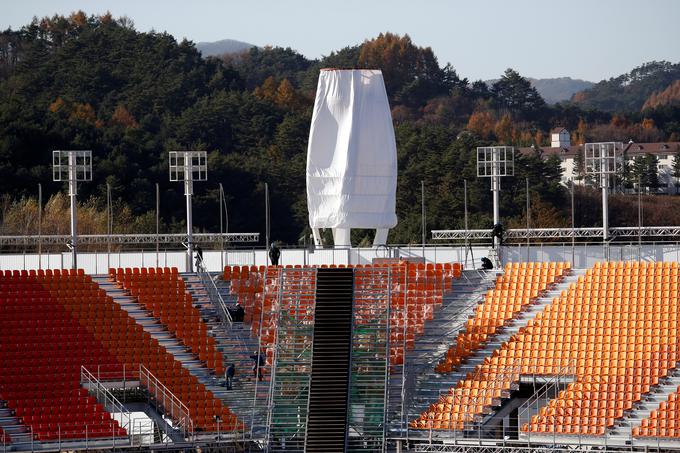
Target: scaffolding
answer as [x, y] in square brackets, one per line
[370, 359]
[292, 360]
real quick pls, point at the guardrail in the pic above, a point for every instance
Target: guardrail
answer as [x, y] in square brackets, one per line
[213, 293]
[166, 401]
[105, 398]
[544, 394]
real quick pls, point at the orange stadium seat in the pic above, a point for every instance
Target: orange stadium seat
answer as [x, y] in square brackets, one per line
[72, 322]
[163, 294]
[615, 329]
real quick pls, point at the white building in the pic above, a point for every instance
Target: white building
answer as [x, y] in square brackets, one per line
[664, 151]
[559, 138]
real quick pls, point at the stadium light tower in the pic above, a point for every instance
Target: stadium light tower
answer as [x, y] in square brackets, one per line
[72, 166]
[189, 166]
[495, 162]
[603, 159]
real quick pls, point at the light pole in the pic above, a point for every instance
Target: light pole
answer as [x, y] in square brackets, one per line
[72, 166]
[495, 162]
[603, 159]
[189, 166]
[266, 221]
[422, 217]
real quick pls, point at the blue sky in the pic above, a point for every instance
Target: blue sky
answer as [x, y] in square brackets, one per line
[588, 39]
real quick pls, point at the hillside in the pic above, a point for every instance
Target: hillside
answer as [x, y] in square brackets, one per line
[96, 83]
[559, 89]
[555, 90]
[669, 96]
[222, 47]
[629, 92]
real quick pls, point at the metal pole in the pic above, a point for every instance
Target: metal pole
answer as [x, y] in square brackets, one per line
[639, 219]
[605, 207]
[422, 215]
[221, 229]
[39, 226]
[109, 224]
[573, 237]
[158, 207]
[495, 185]
[188, 190]
[528, 216]
[266, 220]
[495, 188]
[73, 190]
[466, 219]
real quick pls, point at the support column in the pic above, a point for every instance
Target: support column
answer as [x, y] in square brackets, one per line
[380, 236]
[72, 192]
[188, 189]
[605, 206]
[341, 237]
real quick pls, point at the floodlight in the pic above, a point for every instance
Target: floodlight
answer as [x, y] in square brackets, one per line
[188, 166]
[72, 166]
[495, 162]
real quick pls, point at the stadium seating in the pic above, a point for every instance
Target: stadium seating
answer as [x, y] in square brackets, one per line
[133, 346]
[662, 422]
[42, 349]
[162, 292]
[416, 290]
[615, 330]
[514, 292]
[82, 325]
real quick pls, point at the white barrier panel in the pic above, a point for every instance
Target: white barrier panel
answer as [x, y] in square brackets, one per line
[581, 256]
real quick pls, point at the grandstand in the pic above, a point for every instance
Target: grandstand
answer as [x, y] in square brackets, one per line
[397, 355]
[387, 348]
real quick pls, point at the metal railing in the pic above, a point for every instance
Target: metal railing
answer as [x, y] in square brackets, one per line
[370, 359]
[213, 293]
[421, 369]
[292, 360]
[543, 395]
[164, 400]
[105, 398]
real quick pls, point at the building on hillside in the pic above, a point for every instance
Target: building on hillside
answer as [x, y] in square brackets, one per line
[559, 138]
[571, 154]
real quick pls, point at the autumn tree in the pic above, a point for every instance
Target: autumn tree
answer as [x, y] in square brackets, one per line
[505, 130]
[481, 123]
[411, 73]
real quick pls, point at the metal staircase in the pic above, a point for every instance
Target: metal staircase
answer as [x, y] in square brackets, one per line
[248, 397]
[328, 393]
[427, 385]
[21, 438]
[623, 429]
[415, 385]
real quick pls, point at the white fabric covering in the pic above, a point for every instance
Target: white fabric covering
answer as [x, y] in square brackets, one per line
[352, 154]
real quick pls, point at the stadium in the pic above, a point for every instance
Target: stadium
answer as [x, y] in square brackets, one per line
[568, 341]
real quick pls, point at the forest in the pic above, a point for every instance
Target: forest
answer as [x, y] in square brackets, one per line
[96, 83]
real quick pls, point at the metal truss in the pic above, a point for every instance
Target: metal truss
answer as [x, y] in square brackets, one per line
[117, 239]
[559, 233]
[551, 448]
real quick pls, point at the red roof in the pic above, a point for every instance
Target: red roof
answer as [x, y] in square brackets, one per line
[632, 149]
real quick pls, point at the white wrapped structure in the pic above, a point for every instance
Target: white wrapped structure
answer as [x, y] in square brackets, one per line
[352, 156]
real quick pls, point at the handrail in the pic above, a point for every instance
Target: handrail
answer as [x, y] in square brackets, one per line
[172, 406]
[213, 292]
[106, 398]
[532, 405]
